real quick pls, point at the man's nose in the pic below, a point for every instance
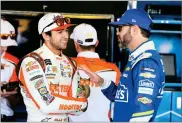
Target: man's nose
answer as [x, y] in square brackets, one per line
[117, 32]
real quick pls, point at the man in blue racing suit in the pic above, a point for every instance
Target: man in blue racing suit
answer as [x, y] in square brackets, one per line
[140, 89]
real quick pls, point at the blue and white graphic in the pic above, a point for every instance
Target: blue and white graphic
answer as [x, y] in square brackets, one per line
[122, 94]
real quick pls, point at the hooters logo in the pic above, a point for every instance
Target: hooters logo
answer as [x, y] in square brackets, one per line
[70, 107]
[56, 88]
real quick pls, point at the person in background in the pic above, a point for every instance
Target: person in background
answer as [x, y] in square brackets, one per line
[140, 90]
[27, 36]
[85, 40]
[9, 80]
[49, 79]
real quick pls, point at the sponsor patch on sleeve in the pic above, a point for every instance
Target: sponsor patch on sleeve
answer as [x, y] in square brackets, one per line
[121, 94]
[36, 77]
[46, 96]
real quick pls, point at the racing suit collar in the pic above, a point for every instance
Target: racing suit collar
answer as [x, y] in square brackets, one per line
[148, 45]
[88, 54]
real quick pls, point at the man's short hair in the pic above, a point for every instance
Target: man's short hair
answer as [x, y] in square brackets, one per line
[145, 33]
[47, 33]
[87, 47]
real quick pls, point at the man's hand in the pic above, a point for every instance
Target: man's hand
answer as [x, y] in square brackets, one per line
[83, 91]
[93, 76]
[3, 83]
[5, 93]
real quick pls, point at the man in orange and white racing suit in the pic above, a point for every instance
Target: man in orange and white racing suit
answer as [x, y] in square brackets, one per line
[85, 40]
[49, 79]
[8, 78]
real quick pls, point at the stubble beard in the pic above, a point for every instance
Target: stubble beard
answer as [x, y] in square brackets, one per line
[127, 39]
[59, 46]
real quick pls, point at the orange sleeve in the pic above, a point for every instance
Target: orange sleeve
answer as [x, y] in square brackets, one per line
[15, 61]
[117, 70]
[14, 77]
[96, 64]
[11, 58]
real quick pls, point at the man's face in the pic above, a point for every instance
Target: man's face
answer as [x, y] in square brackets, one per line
[124, 35]
[3, 49]
[59, 39]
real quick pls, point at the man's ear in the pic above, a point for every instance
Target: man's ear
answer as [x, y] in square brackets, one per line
[97, 43]
[45, 36]
[134, 30]
[76, 45]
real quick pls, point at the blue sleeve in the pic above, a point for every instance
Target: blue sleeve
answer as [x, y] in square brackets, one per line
[110, 91]
[147, 84]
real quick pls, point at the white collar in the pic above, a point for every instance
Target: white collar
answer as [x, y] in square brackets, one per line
[88, 54]
[149, 45]
[49, 52]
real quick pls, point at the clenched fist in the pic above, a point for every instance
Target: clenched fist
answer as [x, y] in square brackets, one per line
[93, 76]
[83, 91]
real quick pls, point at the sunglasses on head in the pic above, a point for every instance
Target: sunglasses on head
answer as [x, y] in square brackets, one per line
[5, 36]
[59, 21]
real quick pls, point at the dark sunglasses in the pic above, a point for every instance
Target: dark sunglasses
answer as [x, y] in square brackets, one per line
[5, 36]
[59, 21]
[119, 29]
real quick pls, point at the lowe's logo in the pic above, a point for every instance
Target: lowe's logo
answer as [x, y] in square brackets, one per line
[121, 94]
[146, 83]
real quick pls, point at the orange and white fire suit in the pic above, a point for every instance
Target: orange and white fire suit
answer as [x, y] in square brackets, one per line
[98, 104]
[49, 93]
[8, 74]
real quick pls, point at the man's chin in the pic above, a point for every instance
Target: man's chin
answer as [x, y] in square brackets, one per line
[63, 48]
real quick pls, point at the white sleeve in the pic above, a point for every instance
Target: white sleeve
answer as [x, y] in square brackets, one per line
[37, 87]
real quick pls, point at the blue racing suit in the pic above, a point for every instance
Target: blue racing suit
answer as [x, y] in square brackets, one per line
[140, 89]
